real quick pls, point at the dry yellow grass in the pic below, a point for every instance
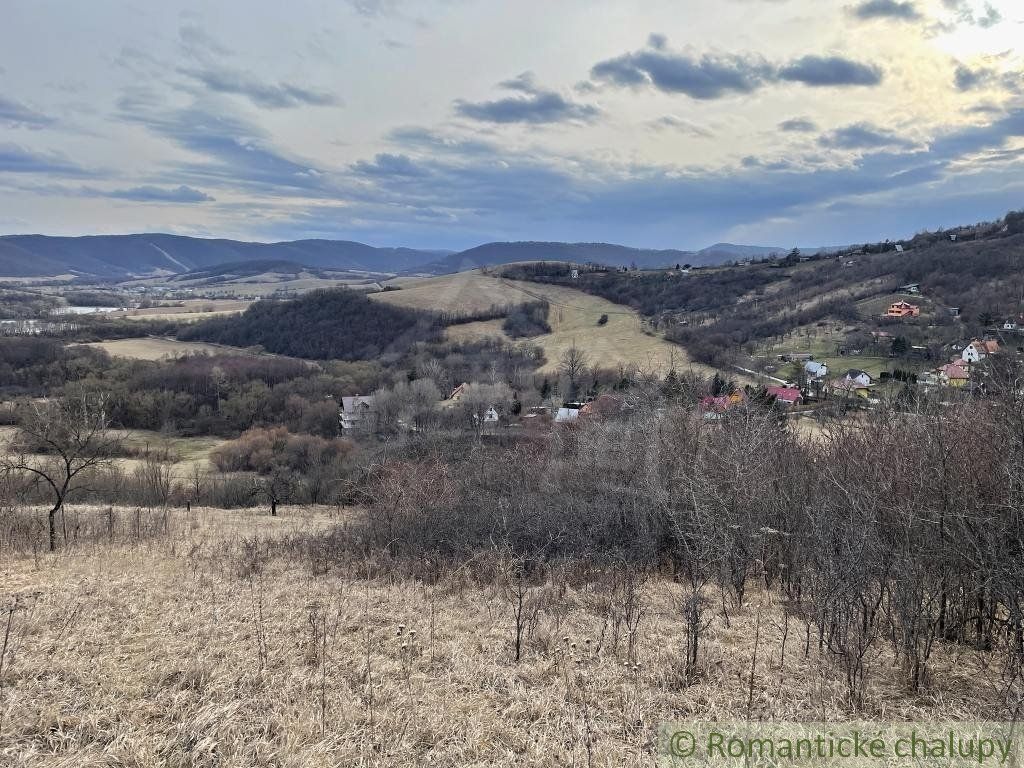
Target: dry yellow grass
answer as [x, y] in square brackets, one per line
[574, 316]
[183, 453]
[461, 292]
[190, 309]
[192, 649]
[158, 348]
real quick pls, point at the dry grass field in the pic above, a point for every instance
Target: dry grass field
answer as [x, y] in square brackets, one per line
[574, 316]
[159, 348]
[181, 454]
[201, 640]
[190, 310]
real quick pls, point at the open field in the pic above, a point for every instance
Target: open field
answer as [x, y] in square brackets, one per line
[7, 280]
[190, 309]
[183, 453]
[202, 640]
[574, 319]
[461, 292]
[160, 348]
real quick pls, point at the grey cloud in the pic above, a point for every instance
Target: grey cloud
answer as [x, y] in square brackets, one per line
[531, 104]
[798, 125]
[968, 79]
[830, 71]
[864, 136]
[709, 77]
[16, 159]
[215, 75]
[269, 95]
[467, 196]
[890, 9]
[715, 76]
[16, 115]
[681, 125]
[965, 14]
[150, 194]
[235, 152]
[385, 164]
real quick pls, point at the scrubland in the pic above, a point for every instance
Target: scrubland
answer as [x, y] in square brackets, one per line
[230, 638]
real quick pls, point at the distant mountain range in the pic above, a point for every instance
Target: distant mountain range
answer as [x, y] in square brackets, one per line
[126, 256]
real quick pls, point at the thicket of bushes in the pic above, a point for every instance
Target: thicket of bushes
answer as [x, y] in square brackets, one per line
[263, 450]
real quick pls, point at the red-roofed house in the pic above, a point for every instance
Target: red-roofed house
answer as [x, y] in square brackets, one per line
[903, 309]
[977, 350]
[954, 374]
[786, 395]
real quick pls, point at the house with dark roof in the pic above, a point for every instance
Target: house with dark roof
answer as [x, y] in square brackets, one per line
[357, 412]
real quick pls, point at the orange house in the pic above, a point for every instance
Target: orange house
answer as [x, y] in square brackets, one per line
[903, 309]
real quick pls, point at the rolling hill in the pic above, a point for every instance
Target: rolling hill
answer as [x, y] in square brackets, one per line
[124, 256]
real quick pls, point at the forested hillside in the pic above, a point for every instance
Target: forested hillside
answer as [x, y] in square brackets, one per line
[327, 324]
[710, 310]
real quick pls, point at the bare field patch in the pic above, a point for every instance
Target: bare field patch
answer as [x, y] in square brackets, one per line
[160, 349]
[461, 292]
[190, 309]
[195, 644]
[482, 329]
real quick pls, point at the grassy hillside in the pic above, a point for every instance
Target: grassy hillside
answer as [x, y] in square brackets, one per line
[575, 317]
[199, 640]
[717, 312]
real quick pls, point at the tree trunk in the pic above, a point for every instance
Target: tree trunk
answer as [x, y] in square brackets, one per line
[273, 507]
[52, 520]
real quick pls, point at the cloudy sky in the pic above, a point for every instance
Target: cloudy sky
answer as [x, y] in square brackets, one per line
[446, 123]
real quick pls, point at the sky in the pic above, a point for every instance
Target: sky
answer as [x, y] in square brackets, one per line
[448, 123]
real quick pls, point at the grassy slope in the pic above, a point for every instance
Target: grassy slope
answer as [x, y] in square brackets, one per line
[149, 653]
[573, 317]
[158, 349]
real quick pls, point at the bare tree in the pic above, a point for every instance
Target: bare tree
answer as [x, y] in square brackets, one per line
[277, 487]
[573, 364]
[58, 443]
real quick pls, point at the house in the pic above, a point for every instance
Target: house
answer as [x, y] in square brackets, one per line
[785, 395]
[567, 415]
[815, 370]
[1012, 325]
[858, 376]
[849, 389]
[903, 309]
[357, 412]
[458, 391]
[953, 311]
[977, 350]
[491, 417]
[954, 374]
[913, 288]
